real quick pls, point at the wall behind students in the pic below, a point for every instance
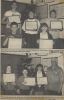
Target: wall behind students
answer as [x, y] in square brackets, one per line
[17, 62]
[12, 60]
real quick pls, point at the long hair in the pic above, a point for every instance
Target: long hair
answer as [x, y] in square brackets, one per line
[36, 69]
[40, 30]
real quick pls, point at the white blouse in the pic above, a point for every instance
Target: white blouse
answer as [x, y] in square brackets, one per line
[43, 35]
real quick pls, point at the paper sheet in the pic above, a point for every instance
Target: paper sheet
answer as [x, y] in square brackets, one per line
[42, 81]
[15, 43]
[31, 25]
[30, 81]
[8, 78]
[14, 19]
[46, 44]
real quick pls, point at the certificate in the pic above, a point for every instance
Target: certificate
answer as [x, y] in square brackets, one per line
[8, 78]
[15, 43]
[30, 81]
[42, 81]
[31, 25]
[14, 19]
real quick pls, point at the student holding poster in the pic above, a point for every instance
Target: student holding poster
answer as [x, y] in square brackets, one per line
[31, 27]
[22, 88]
[12, 15]
[13, 32]
[9, 82]
[40, 82]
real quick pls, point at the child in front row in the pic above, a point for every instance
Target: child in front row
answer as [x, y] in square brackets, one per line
[13, 32]
[44, 34]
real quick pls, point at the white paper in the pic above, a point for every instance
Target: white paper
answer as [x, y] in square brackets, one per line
[14, 19]
[42, 81]
[46, 44]
[15, 43]
[31, 25]
[30, 81]
[56, 24]
[8, 78]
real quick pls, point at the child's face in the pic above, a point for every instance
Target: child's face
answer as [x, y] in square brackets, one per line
[39, 68]
[8, 70]
[53, 15]
[14, 6]
[25, 72]
[31, 15]
[14, 28]
[44, 28]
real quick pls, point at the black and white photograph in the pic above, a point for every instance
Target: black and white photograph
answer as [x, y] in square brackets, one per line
[32, 50]
[35, 24]
[37, 73]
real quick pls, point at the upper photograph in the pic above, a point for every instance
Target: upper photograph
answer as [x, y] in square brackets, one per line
[32, 24]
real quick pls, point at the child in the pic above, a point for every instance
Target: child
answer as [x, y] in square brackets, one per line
[9, 87]
[44, 34]
[21, 87]
[31, 34]
[39, 89]
[13, 32]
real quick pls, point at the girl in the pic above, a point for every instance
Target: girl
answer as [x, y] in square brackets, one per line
[44, 34]
[21, 87]
[9, 87]
[39, 89]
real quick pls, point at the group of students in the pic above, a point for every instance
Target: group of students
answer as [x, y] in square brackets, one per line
[55, 81]
[30, 37]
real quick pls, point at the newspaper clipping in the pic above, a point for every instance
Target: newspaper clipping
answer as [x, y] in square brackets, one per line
[32, 49]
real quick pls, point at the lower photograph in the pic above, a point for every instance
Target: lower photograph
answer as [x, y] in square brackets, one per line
[32, 73]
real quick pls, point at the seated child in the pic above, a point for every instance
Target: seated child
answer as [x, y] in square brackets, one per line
[9, 87]
[13, 32]
[44, 34]
[21, 87]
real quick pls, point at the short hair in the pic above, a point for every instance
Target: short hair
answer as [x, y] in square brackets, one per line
[53, 11]
[44, 24]
[13, 23]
